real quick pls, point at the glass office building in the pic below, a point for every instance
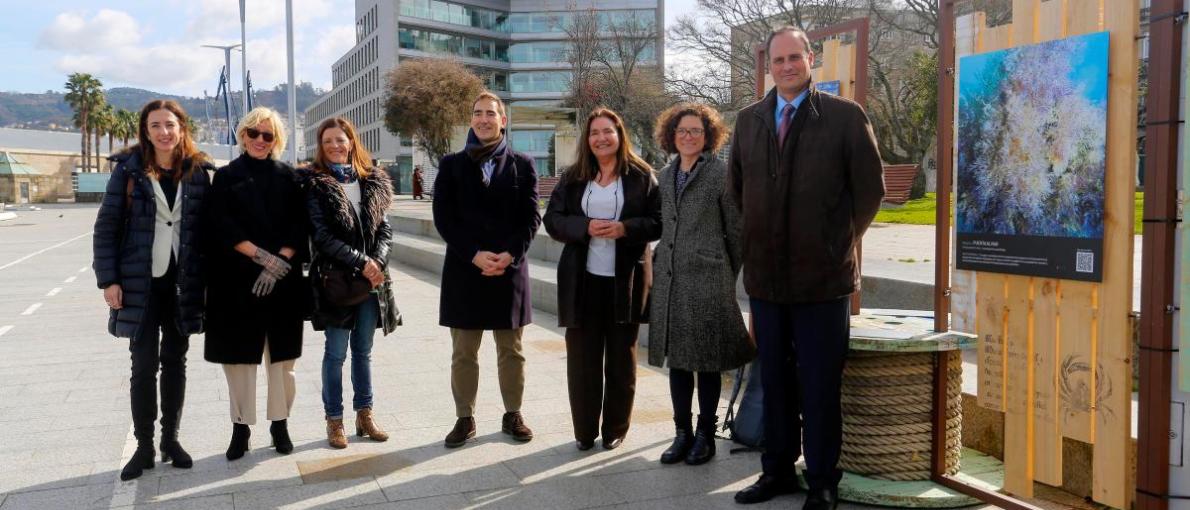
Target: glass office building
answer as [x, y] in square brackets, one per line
[518, 47]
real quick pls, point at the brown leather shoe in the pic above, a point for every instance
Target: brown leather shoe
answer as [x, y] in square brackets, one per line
[335, 435]
[464, 430]
[365, 426]
[514, 425]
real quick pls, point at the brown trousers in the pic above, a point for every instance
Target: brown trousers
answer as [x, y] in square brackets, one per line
[464, 368]
[601, 365]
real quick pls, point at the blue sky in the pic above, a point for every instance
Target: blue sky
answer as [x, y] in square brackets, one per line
[156, 44]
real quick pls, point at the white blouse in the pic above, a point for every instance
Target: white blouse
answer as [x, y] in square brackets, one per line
[603, 203]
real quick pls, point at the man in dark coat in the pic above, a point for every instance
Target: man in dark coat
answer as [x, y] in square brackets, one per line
[485, 207]
[807, 173]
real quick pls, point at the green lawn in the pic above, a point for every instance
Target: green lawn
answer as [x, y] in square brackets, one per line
[922, 212]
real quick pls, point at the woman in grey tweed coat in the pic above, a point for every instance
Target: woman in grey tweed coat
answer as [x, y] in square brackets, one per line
[695, 323]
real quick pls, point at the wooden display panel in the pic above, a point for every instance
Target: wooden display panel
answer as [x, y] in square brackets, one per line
[1054, 355]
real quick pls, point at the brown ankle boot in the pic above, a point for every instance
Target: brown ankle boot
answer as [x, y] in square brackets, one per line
[464, 429]
[514, 425]
[365, 425]
[334, 433]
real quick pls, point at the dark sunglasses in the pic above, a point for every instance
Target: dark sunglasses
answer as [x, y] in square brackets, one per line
[256, 133]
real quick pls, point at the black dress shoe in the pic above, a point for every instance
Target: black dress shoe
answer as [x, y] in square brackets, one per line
[613, 443]
[766, 488]
[280, 432]
[703, 448]
[584, 445]
[681, 445]
[821, 499]
[239, 441]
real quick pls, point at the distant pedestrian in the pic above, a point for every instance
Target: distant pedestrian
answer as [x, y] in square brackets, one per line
[485, 207]
[418, 183]
[606, 208]
[257, 297]
[695, 326]
[147, 260]
[347, 200]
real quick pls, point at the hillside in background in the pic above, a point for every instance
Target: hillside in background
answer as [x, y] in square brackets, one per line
[49, 110]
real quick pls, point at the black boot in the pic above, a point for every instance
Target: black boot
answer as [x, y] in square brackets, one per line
[681, 445]
[280, 432]
[239, 441]
[703, 448]
[141, 460]
[172, 450]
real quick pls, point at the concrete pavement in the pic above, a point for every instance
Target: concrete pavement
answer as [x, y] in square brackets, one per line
[67, 427]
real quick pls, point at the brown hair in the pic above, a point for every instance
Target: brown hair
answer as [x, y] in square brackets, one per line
[487, 94]
[797, 34]
[359, 157]
[665, 129]
[586, 167]
[185, 153]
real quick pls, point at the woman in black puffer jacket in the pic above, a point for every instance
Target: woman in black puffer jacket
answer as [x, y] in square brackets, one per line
[148, 261]
[347, 201]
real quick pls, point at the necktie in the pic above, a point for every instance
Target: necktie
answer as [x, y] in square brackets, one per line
[783, 129]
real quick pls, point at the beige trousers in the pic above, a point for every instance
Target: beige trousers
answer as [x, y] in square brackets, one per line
[464, 368]
[241, 389]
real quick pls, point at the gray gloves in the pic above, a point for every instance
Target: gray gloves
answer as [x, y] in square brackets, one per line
[273, 268]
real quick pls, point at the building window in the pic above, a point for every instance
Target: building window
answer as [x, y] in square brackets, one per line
[558, 22]
[536, 52]
[539, 81]
[451, 44]
[532, 141]
[544, 166]
[456, 14]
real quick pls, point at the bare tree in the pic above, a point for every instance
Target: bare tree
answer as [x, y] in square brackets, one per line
[427, 99]
[723, 37]
[615, 66]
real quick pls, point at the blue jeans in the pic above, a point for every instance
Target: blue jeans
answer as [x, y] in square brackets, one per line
[360, 339]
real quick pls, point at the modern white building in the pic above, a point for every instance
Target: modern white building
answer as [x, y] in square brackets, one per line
[518, 46]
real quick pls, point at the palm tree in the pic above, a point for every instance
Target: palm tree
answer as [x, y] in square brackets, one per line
[129, 123]
[84, 92]
[102, 118]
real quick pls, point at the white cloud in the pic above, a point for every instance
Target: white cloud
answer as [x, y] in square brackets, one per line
[323, 48]
[151, 53]
[107, 30]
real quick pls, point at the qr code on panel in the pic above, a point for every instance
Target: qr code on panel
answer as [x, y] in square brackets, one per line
[1084, 261]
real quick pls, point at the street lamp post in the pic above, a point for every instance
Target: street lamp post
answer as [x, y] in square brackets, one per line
[290, 91]
[243, 57]
[227, 62]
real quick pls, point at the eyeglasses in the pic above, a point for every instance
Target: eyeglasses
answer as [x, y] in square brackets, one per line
[254, 133]
[688, 132]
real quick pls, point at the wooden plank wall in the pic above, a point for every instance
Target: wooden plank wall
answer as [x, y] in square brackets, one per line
[836, 62]
[1054, 355]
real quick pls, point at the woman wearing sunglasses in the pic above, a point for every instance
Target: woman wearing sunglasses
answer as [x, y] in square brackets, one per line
[606, 208]
[257, 299]
[347, 200]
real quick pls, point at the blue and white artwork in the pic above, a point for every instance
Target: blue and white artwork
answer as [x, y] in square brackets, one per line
[1032, 126]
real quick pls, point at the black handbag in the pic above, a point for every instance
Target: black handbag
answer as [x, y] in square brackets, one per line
[342, 287]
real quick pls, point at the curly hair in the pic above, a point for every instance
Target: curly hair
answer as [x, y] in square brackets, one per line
[665, 130]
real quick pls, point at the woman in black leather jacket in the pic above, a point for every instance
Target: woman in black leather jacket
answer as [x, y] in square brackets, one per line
[347, 200]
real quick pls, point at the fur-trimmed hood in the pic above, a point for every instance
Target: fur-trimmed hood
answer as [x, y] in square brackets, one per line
[376, 195]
